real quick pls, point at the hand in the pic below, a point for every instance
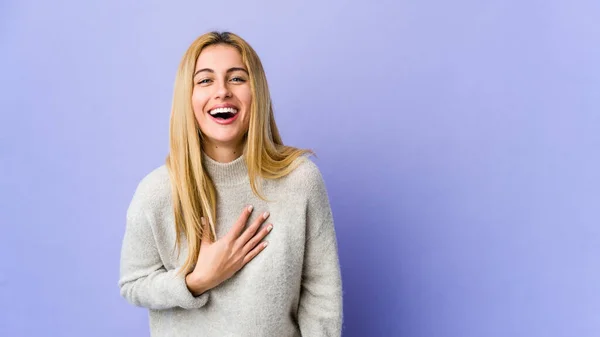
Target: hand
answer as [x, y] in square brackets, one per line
[220, 260]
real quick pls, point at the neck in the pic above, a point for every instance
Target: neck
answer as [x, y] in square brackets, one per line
[223, 153]
[225, 174]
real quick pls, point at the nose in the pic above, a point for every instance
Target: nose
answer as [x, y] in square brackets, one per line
[223, 90]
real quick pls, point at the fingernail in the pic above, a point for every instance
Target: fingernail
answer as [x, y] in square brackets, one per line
[269, 228]
[266, 215]
[265, 244]
[250, 208]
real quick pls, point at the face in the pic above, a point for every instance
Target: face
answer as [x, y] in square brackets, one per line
[221, 97]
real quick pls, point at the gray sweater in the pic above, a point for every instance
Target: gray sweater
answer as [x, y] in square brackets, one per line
[292, 288]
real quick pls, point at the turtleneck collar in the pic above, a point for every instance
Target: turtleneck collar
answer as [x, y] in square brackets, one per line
[226, 174]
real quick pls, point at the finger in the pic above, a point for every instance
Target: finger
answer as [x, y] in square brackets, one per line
[255, 252]
[205, 231]
[257, 238]
[251, 230]
[239, 225]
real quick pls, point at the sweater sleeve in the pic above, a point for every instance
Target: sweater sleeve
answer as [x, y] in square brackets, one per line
[320, 305]
[144, 281]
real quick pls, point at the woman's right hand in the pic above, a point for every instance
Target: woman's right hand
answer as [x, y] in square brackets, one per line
[220, 260]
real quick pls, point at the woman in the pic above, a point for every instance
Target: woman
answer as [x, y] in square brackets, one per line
[195, 246]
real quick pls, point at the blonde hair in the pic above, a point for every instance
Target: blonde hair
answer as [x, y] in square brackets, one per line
[193, 192]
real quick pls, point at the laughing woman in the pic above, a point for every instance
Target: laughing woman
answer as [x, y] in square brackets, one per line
[234, 235]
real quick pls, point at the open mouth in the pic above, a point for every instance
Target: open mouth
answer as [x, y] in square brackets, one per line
[223, 113]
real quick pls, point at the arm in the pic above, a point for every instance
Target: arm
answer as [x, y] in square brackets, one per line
[144, 281]
[320, 307]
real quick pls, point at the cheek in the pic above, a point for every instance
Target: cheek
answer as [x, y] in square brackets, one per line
[244, 95]
[199, 100]
[246, 99]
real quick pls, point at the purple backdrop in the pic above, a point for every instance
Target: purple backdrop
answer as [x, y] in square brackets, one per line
[458, 140]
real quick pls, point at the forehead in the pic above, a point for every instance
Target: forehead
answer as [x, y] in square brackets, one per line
[219, 57]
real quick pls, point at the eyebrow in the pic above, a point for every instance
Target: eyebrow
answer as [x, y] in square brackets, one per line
[230, 70]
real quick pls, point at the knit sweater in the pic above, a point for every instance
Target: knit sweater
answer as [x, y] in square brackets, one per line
[292, 288]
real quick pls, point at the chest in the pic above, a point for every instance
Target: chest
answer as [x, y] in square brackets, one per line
[286, 241]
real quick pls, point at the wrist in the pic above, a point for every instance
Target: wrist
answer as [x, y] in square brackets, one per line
[195, 284]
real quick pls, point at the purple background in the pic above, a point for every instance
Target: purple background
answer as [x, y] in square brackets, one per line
[458, 140]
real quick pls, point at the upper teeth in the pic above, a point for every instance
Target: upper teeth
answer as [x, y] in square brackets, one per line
[223, 110]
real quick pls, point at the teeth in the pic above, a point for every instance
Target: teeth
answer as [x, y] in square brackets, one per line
[222, 110]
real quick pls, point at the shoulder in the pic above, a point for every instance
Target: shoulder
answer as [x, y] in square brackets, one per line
[306, 176]
[153, 191]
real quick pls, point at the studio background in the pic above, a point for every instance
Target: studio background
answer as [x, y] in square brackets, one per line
[458, 141]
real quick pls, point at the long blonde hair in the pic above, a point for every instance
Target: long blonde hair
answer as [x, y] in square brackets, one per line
[193, 192]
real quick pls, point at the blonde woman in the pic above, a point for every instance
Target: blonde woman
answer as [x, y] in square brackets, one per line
[234, 235]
